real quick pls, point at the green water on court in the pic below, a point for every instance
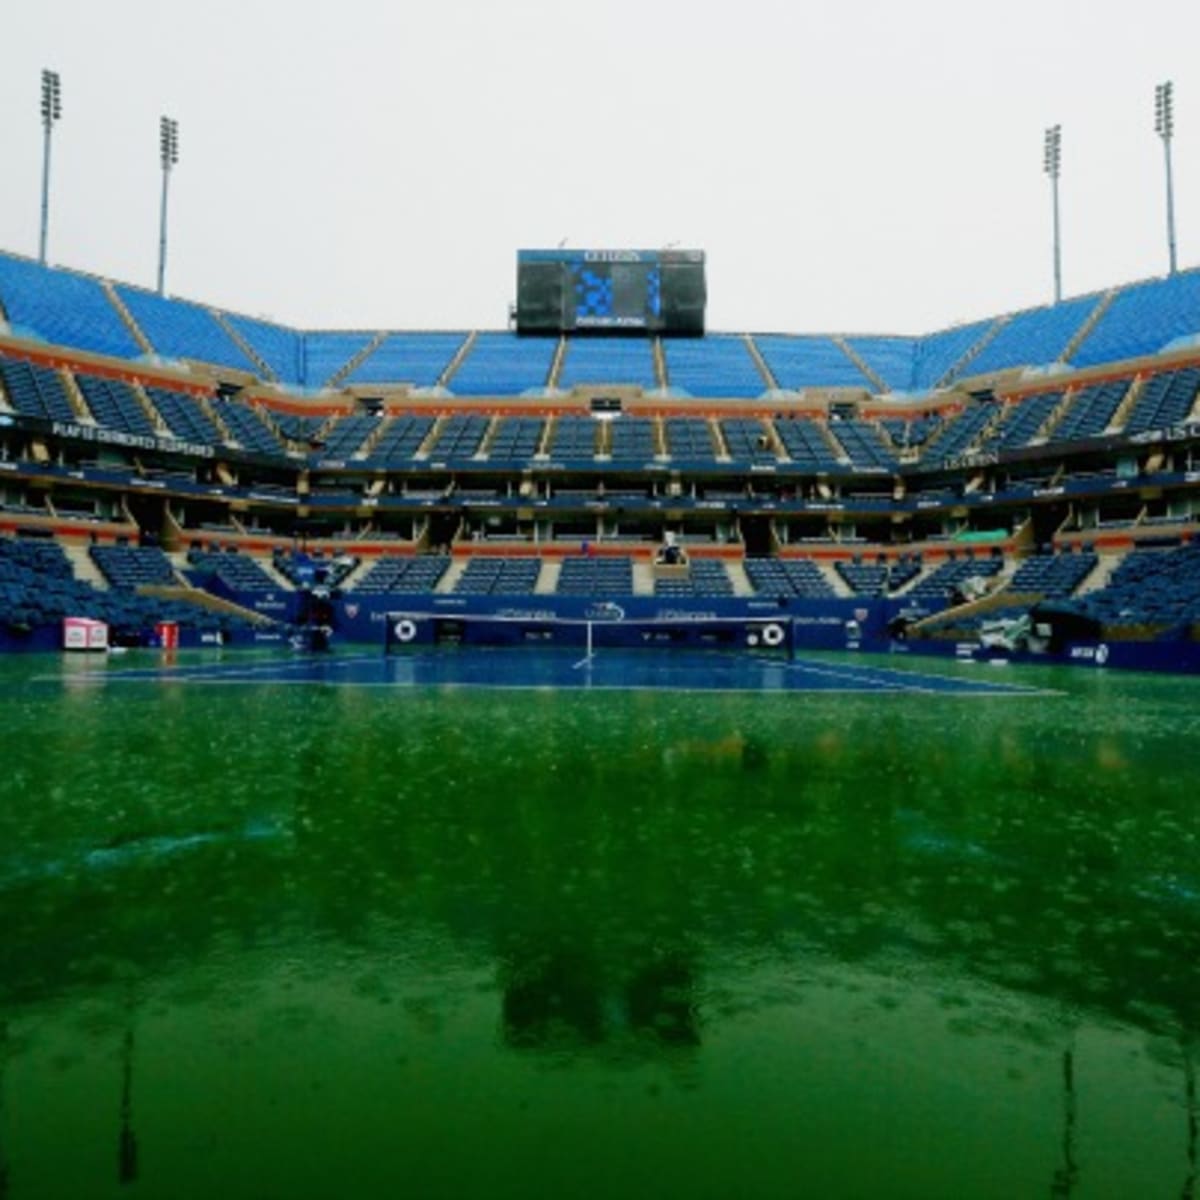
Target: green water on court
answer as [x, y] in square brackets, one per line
[267, 941]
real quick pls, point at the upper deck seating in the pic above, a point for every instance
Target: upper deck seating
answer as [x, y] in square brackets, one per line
[891, 358]
[808, 360]
[282, 349]
[416, 358]
[325, 353]
[718, 366]
[936, 354]
[611, 360]
[503, 364]
[1035, 337]
[63, 308]
[1143, 318]
[180, 329]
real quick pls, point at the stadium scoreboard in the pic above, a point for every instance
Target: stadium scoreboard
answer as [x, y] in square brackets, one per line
[611, 291]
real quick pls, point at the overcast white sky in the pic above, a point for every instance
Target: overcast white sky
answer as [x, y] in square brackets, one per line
[849, 165]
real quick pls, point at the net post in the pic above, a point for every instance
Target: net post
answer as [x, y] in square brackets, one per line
[589, 639]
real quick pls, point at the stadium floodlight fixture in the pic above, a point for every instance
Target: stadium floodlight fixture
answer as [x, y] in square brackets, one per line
[1052, 166]
[168, 153]
[168, 142]
[51, 110]
[1164, 126]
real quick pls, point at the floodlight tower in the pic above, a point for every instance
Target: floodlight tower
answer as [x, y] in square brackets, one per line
[1164, 126]
[51, 113]
[1052, 165]
[168, 148]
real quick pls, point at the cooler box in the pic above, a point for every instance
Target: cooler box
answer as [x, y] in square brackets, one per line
[168, 635]
[82, 633]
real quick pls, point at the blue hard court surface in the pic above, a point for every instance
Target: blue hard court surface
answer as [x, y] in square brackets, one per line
[566, 669]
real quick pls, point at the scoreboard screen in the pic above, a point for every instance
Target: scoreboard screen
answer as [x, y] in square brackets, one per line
[610, 291]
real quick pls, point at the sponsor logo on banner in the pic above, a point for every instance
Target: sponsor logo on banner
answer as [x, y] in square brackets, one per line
[351, 611]
[606, 610]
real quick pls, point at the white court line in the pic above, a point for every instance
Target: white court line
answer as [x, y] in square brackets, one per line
[913, 682]
[186, 673]
[883, 685]
[563, 686]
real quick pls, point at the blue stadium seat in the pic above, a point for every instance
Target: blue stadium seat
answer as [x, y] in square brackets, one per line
[748, 440]
[937, 353]
[806, 444]
[1035, 337]
[282, 349]
[499, 577]
[1165, 399]
[585, 575]
[63, 307]
[1143, 318]
[180, 329]
[788, 577]
[891, 358]
[718, 366]
[688, 439]
[516, 439]
[114, 405]
[327, 353]
[413, 575]
[184, 417]
[808, 360]
[419, 359]
[574, 438]
[611, 360]
[1090, 411]
[503, 364]
[35, 390]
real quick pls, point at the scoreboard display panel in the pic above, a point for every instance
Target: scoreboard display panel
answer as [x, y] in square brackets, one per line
[610, 291]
